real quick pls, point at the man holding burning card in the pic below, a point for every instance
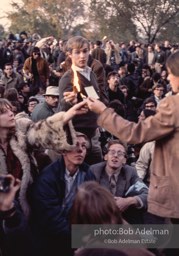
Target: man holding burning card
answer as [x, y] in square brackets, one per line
[78, 83]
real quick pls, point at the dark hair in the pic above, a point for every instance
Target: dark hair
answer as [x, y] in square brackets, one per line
[156, 77]
[32, 99]
[148, 100]
[149, 112]
[123, 86]
[11, 94]
[172, 63]
[147, 67]
[158, 85]
[20, 86]
[98, 42]
[94, 204]
[131, 68]
[2, 89]
[8, 64]
[112, 73]
[36, 50]
[118, 107]
[116, 141]
[23, 33]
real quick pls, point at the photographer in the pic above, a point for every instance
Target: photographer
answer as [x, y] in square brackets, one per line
[14, 232]
[113, 56]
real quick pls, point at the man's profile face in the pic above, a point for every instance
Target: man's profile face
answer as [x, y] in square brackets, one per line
[79, 57]
[76, 156]
[52, 100]
[7, 118]
[113, 82]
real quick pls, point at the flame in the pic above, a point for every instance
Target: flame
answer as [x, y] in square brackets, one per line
[76, 86]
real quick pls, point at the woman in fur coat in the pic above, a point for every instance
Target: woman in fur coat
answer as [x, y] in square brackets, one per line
[19, 136]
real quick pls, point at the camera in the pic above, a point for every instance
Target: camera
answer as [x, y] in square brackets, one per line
[5, 184]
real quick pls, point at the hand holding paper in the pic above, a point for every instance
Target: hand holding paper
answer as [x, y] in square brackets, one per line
[95, 105]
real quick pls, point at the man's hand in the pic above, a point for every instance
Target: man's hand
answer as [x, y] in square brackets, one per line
[7, 198]
[124, 203]
[70, 97]
[95, 105]
[78, 109]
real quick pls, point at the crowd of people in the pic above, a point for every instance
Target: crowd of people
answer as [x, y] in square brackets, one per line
[88, 135]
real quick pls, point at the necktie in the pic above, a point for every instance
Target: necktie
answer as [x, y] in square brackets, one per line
[113, 184]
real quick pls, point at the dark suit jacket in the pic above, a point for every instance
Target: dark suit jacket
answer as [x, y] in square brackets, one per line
[127, 177]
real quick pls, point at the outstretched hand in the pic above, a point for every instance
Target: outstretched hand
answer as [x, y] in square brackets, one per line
[78, 109]
[96, 105]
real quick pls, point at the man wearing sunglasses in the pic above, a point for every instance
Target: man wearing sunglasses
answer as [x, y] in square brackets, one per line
[36, 71]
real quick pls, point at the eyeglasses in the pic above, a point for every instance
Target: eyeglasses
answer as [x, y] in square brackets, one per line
[118, 153]
[149, 106]
[158, 89]
[32, 104]
[54, 96]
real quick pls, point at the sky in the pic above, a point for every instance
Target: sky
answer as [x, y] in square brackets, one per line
[5, 6]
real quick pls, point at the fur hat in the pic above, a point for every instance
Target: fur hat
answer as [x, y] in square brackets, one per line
[52, 90]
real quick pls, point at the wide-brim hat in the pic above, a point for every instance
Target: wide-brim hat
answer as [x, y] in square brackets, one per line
[52, 91]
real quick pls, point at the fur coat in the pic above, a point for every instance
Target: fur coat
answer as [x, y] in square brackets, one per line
[49, 134]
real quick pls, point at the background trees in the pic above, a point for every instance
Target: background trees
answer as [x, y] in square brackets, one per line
[146, 19]
[47, 17]
[121, 20]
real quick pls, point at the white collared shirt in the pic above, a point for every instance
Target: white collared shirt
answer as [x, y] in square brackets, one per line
[116, 174]
[84, 71]
[69, 180]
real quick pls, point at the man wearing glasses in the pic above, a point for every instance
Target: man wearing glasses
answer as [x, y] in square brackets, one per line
[158, 92]
[122, 180]
[46, 108]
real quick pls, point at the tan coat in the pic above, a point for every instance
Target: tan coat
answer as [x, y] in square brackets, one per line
[163, 199]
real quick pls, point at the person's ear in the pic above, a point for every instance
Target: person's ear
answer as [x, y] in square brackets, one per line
[70, 54]
[124, 160]
[64, 153]
[105, 157]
